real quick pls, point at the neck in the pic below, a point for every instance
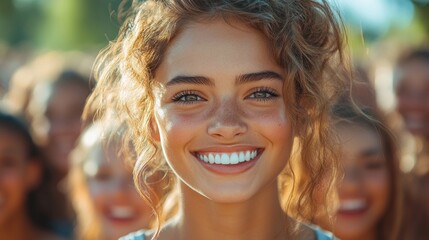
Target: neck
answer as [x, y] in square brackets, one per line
[259, 217]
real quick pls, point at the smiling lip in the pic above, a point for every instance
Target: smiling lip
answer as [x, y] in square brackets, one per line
[120, 214]
[352, 207]
[229, 162]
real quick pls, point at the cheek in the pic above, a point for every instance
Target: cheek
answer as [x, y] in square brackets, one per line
[380, 189]
[181, 124]
[175, 132]
[274, 124]
[97, 192]
[13, 183]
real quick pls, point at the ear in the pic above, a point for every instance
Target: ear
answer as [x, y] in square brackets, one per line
[33, 174]
[154, 130]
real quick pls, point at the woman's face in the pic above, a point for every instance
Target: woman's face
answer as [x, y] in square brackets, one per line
[17, 176]
[412, 92]
[220, 113]
[364, 191]
[117, 203]
[63, 115]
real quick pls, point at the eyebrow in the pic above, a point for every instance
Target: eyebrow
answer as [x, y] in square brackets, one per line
[252, 77]
[241, 79]
[190, 79]
[370, 152]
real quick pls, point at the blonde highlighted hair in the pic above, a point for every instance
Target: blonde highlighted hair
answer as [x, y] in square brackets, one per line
[307, 42]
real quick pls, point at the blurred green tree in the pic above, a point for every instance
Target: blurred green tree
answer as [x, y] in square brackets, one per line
[78, 24]
[422, 14]
[18, 22]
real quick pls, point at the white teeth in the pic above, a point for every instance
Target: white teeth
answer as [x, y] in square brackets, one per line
[122, 212]
[352, 204]
[241, 157]
[234, 158]
[217, 159]
[224, 159]
[247, 157]
[228, 158]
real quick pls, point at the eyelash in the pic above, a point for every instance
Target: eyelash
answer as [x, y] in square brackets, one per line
[179, 97]
[265, 90]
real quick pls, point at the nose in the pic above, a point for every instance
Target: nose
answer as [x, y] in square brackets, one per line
[227, 121]
[352, 180]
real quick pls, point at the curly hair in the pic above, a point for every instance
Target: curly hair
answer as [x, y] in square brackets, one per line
[306, 37]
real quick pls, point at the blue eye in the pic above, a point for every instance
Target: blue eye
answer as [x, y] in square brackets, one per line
[187, 97]
[263, 94]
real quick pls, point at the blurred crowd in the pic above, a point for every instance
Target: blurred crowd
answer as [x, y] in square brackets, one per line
[59, 179]
[62, 178]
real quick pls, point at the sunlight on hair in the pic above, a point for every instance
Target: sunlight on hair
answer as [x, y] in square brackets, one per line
[90, 168]
[92, 135]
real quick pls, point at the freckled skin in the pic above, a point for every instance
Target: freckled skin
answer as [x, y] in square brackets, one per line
[226, 117]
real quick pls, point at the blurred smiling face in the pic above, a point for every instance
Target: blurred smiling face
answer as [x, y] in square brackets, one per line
[220, 111]
[412, 92]
[115, 199]
[63, 114]
[364, 191]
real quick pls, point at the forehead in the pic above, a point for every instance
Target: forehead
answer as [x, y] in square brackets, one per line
[355, 138]
[106, 158]
[207, 48]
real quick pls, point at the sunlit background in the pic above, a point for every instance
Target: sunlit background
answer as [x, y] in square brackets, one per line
[377, 31]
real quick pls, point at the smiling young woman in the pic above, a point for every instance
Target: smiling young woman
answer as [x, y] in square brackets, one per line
[233, 98]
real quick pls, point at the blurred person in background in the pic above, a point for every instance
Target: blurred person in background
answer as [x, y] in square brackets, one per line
[56, 108]
[370, 193]
[41, 68]
[412, 91]
[49, 92]
[102, 189]
[25, 190]
[411, 83]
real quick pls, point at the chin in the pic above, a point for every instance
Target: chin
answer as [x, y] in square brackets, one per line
[229, 197]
